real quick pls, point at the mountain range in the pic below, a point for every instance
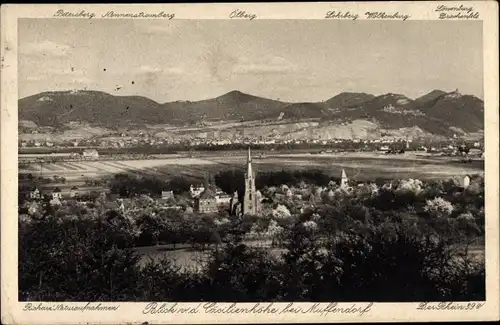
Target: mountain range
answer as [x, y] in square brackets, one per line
[438, 112]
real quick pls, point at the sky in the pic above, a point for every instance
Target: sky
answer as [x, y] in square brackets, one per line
[289, 60]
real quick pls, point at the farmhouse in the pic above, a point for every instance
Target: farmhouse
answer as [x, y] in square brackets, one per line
[90, 153]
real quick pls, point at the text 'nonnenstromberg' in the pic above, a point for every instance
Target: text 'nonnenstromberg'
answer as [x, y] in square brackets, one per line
[113, 14]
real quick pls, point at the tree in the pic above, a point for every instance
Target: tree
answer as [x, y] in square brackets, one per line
[439, 207]
[75, 259]
[274, 231]
[281, 211]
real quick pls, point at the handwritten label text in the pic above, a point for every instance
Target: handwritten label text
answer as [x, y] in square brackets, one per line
[78, 14]
[161, 14]
[450, 305]
[89, 306]
[457, 12]
[341, 15]
[385, 15]
[241, 14]
[356, 309]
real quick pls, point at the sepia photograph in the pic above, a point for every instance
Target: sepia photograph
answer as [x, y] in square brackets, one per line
[250, 161]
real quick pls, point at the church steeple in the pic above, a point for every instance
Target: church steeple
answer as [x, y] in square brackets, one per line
[249, 165]
[343, 179]
[250, 200]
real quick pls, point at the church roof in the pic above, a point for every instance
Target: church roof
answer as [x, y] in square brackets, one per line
[344, 174]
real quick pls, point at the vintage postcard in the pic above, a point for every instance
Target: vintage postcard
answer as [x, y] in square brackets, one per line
[249, 163]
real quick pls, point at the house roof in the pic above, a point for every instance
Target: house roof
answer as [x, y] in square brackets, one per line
[208, 193]
[74, 188]
[57, 190]
[111, 205]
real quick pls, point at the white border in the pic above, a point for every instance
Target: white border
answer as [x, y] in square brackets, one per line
[132, 312]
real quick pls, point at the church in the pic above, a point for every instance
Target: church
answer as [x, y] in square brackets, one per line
[251, 199]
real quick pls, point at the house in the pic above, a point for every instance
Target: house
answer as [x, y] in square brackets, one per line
[35, 193]
[223, 199]
[475, 152]
[111, 205]
[234, 204]
[90, 153]
[196, 191]
[206, 202]
[167, 195]
[57, 194]
[73, 192]
[465, 182]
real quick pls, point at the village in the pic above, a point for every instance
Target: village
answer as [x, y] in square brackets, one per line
[206, 198]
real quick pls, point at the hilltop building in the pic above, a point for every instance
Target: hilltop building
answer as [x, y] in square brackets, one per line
[344, 181]
[251, 203]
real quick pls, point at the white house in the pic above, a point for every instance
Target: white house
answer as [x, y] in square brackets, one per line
[167, 194]
[35, 193]
[90, 153]
[223, 198]
[465, 182]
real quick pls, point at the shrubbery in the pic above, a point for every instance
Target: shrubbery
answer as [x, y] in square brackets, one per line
[403, 241]
[78, 259]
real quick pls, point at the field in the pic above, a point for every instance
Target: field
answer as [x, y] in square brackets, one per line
[192, 260]
[358, 166]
